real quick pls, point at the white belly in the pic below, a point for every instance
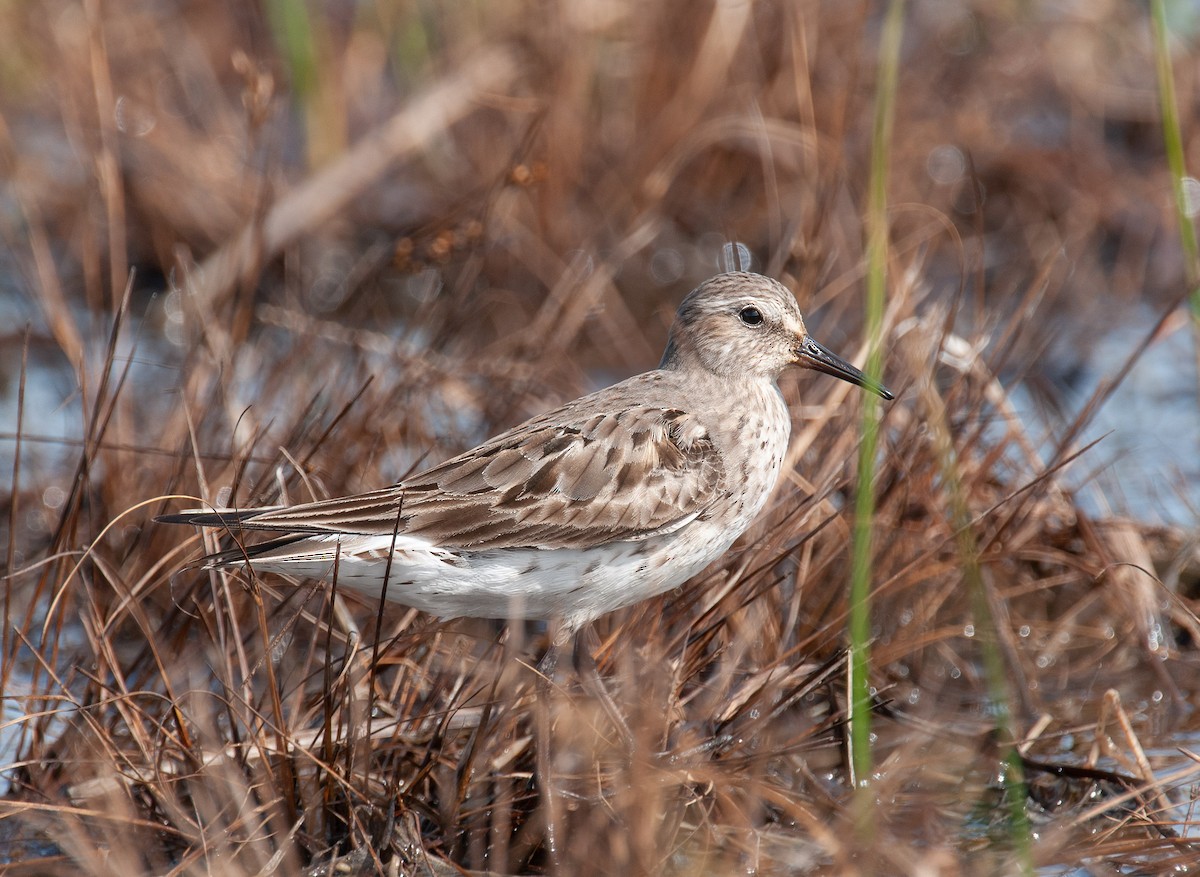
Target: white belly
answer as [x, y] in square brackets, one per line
[573, 585]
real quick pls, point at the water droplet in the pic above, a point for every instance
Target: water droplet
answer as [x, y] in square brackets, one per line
[1154, 637]
[133, 118]
[945, 164]
[666, 265]
[173, 332]
[735, 257]
[1191, 197]
[53, 497]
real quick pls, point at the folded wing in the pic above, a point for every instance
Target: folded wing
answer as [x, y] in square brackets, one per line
[575, 483]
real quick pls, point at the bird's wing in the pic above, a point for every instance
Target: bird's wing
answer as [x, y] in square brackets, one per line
[575, 479]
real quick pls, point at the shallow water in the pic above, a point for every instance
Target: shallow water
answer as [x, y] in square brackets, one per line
[1147, 462]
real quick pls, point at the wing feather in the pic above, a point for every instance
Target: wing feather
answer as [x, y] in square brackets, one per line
[580, 482]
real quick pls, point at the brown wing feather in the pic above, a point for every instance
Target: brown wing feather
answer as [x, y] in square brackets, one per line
[611, 477]
[605, 477]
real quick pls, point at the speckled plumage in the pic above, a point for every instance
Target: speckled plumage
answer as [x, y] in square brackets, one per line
[610, 499]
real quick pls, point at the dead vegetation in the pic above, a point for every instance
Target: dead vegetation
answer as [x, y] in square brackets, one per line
[285, 251]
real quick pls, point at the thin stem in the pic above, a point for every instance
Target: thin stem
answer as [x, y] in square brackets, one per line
[1173, 141]
[864, 508]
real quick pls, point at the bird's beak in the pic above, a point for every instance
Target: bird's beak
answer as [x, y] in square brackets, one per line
[812, 355]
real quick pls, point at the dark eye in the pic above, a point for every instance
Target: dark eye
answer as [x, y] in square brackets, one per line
[750, 316]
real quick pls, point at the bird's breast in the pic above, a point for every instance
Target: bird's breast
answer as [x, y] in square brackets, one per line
[756, 444]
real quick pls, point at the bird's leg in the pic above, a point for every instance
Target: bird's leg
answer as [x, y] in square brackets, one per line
[583, 656]
[584, 643]
[548, 665]
[544, 673]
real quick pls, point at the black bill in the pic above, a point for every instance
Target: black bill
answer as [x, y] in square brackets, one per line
[816, 356]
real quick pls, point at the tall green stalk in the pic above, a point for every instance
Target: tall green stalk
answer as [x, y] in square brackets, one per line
[864, 507]
[1173, 140]
[298, 38]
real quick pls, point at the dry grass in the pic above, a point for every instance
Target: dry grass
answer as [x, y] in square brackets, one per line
[380, 239]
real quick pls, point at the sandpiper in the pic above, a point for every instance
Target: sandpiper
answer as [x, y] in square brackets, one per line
[608, 500]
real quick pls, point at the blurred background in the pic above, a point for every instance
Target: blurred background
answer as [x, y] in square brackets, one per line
[280, 250]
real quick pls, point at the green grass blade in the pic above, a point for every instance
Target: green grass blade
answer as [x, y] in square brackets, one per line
[864, 508]
[1173, 140]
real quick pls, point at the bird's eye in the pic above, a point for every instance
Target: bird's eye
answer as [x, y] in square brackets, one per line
[750, 316]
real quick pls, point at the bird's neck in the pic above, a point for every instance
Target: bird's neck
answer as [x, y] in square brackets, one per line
[678, 359]
[670, 359]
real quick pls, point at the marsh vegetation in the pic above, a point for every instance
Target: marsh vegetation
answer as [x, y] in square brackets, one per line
[280, 251]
